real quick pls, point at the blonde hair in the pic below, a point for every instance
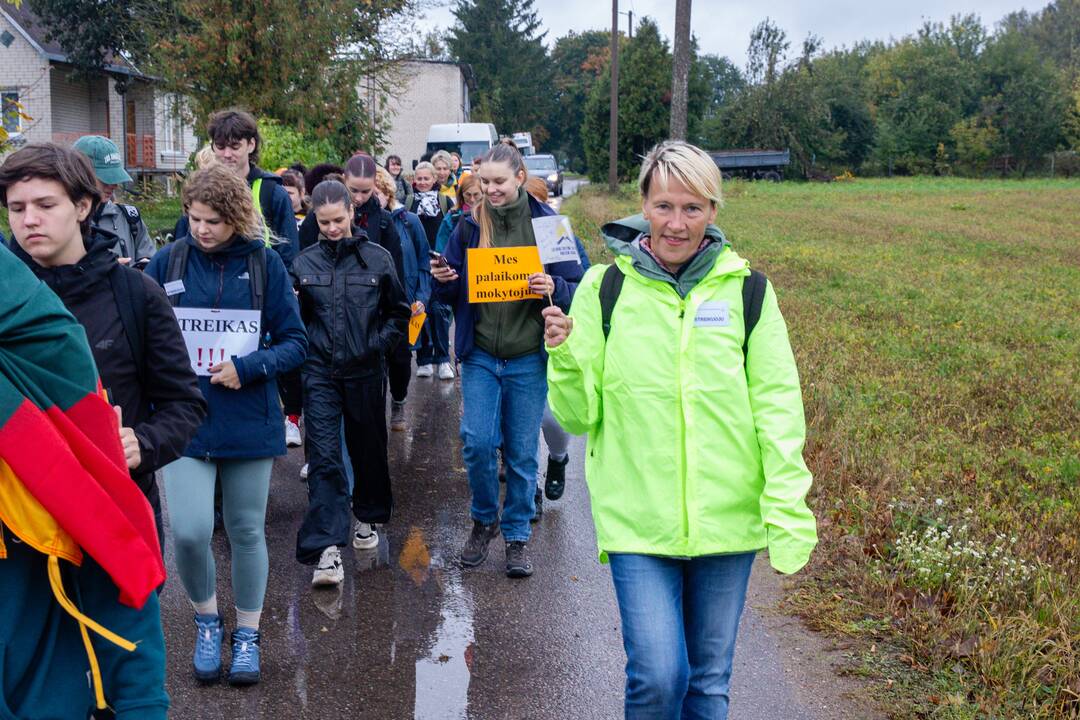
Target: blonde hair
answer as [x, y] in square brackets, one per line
[227, 194]
[501, 153]
[688, 164]
[205, 157]
[384, 183]
[442, 156]
[424, 166]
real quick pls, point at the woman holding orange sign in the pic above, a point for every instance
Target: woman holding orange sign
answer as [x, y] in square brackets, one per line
[499, 343]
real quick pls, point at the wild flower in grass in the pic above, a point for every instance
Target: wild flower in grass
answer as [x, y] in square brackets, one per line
[946, 556]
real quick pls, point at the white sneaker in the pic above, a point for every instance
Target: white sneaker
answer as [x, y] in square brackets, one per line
[364, 537]
[446, 371]
[425, 371]
[292, 434]
[303, 472]
[330, 571]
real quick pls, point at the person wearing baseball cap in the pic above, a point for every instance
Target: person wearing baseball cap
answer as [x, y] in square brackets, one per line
[133, 244]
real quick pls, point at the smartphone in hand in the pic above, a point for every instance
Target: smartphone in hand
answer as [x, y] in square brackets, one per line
[438, 258]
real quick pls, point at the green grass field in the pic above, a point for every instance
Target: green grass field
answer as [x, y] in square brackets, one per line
[936, 323]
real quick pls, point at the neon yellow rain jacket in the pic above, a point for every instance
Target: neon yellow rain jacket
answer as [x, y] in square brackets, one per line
[688, 453]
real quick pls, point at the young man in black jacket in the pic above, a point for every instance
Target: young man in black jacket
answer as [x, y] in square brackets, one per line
[135, 339]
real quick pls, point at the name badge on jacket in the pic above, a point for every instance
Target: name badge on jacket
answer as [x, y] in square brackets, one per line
[713, 314]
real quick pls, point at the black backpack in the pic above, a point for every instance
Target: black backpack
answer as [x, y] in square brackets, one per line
[753, 295]
[134, 221]
[256, 267]
[130, 294]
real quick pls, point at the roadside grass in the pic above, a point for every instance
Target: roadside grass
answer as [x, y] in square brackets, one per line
[936, 324]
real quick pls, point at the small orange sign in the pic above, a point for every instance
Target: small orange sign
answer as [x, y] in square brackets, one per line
[502, 274]
[416, 322]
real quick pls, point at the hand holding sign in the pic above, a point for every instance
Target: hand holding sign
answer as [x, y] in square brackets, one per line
[416, 322]
[225, 374]
[557, 326]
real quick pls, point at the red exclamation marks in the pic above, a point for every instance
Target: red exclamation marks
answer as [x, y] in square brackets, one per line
[222, 354]
[200, 357]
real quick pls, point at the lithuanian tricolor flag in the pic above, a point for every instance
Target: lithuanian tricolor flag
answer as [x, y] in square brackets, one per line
[64, 484]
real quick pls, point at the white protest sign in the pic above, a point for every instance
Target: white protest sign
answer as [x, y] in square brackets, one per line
[555, 239]
[214, 336]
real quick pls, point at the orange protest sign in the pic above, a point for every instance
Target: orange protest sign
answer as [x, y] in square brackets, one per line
[502, 274]
[415, 323]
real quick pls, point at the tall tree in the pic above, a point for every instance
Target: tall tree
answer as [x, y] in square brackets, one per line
[501, 40]
[680, 80]
[578, 60]
[644, 101]
[96, 33]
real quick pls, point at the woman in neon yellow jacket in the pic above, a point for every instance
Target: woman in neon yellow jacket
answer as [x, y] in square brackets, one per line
[695, 439]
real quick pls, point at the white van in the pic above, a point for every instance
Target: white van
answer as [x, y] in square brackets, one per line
[466, 139]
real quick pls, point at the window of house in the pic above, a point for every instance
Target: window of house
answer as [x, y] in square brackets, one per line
[173, 125]
[9, 106]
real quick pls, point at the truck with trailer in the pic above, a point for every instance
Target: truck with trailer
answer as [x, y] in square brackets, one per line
[752, 164]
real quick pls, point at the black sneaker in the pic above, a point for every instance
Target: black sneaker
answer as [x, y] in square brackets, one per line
[538, 501]
[475, 551]
[517, 560]
[555, 482]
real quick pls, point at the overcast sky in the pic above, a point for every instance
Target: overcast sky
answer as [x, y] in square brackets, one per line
[723, 26]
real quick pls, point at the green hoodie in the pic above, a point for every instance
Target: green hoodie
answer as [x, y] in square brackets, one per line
[510, 330]
[689, 453]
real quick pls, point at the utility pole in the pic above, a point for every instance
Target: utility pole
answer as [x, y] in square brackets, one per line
[680, 70]
[613, 132]
[629, 23]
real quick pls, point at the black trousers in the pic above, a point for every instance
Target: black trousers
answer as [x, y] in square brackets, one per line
[291, 390]
[399, 370]
[361, 405]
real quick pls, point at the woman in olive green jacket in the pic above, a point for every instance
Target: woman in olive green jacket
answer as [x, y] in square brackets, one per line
[695, 439]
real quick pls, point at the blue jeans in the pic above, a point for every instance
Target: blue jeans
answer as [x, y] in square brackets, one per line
[434, 340]
[679, 620]
[503, 402]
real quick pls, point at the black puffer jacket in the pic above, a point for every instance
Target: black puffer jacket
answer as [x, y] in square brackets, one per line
[353, 305]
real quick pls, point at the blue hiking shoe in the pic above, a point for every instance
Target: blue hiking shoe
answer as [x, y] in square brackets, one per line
[245, 657]
[208, 632]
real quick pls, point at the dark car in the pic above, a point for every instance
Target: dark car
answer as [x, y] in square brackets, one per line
[545, 166]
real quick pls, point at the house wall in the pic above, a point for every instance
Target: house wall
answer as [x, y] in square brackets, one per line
[432, 93]
[176, 136]
[70, 105]
[24, 69]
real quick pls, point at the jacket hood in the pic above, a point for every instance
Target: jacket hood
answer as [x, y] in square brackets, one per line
[83, 277]
[623, 237]
[256, 172]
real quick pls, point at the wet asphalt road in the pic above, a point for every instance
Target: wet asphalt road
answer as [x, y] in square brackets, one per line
[412, 635]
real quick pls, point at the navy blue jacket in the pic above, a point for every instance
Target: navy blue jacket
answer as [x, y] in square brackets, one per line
[466, 235]
[278, 215]
[244, 423]
[414, 256]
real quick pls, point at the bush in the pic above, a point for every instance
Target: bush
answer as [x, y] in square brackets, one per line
[283, 146]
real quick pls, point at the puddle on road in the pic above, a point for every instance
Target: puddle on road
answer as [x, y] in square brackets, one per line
[443, 677]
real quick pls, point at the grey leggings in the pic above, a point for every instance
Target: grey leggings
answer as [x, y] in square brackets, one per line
[189, 492]
[557, 439]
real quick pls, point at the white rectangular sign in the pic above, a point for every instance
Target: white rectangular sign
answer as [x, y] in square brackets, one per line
[555, 239]
[214, 336]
